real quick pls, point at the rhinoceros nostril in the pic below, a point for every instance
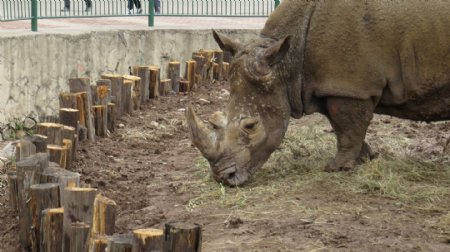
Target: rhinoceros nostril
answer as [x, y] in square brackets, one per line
[231, 175]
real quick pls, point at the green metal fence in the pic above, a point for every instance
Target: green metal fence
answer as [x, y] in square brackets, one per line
[12, 10]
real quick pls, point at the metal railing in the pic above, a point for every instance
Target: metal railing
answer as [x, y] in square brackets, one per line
[12, 10]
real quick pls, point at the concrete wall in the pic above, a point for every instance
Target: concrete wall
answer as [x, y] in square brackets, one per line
[34, 68]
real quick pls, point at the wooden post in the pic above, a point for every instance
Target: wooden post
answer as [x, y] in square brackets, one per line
[42, 196]
[120, 243]
[70, 134]
[166, 87]
[101, 120]
[27, 148]
[69, 117]
[209, 55]
[40, 142]
[103, 94]
[77, 237]
[64, 178]
[226, 70]
[98, 244]
[58, 154]
[184, 86]
[148, 240]
[135, 90]
[201, 67]
[182, 237]
[154, 81]
[53, 131]
[116, 91]
[216, 71]
[77, 85]
[111, 117]
[74, 101]
[218, 58]
[67, 143]
[104, 219]
[51, 233]
[13, 190]
[127, 101]
[27, 169]
[144, 73]
[190, 73]
[173, 73]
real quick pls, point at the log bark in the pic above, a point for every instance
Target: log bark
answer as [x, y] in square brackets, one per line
[64, 178]
[67, 143]
[70, 134]
[103, 94]
[13, 190]
[135, 90]
[182, 237]
[78, 208]
[173, 73]
[53, 131]
[104, 219]
[218, 58]
[184, 86]
[216, 71]
[27, 148]
[40, 142]
[190, 74]
[51, 233]
[58, 154]
[111, 117]
[75, 101]
[166, 87]
[209, 55]
[127, 101]
[77, 85]
[42, 196]
[155, 79]
[101, 120]
[201, 68]
[116, 91]
[148, 240]
[144, 73]
[69, 117]
[77, 237]
[27, 170]
[120, 243]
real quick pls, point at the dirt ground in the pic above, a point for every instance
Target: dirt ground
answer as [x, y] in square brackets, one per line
[149, 167]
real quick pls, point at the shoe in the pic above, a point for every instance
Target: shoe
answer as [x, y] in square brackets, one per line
[65, 9]
[139, 11]
[88, 9]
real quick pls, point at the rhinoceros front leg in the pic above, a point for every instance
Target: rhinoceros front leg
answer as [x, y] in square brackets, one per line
[349, 119]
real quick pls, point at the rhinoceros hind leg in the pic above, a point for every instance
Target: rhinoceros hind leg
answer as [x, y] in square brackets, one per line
[367, 153]
[349, 118]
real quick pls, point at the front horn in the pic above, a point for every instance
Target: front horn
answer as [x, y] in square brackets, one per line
[202, 137]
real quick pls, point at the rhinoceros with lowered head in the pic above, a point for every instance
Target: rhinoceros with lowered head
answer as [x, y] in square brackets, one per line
[344, 59]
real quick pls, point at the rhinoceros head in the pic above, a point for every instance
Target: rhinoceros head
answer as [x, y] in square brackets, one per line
[238, 141]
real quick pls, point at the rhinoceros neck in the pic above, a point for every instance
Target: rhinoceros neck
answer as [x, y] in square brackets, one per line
[292, 18]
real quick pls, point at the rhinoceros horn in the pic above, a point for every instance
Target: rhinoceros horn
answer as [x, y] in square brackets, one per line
[202, 137]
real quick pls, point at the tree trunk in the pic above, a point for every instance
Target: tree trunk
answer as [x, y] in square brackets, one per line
[173, 73]
[64, 178]
[51, 233]
[182, 237]
[184, 86]
[27, 148]
[67, 143]
[98, 243]
[58, 154]
[144, 73]
[209, 55]
[200, 70]
[216, 71]
[40, 142]
[77, 237]
[103, 94]
[190, 74]
[154, 81]
[42, 196]
[13, 190]
[226, 70]
[83, 85]
[135, 90]
[104, 219]
[120, 243]
[70, 134]
[126, 97]
[116, 91]
[69, 117]
[111, 117]
[148, 240]
[218, 58]
[101, 120]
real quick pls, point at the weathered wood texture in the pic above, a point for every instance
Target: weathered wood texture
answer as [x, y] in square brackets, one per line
[226, 70]
[76, 238]
[104, 216]
[111, 117]
[184, 86]
[69, 117]
[120, 243]
[148, 240]
[27, 148]
[64, 178]
[173, 73]
[135, 91]
[103, 94]
[83, 85]
[101, 120]
[58, 154]
[116, 91]
[155, 79]
[182, 237]
[13, 190]
[53, 131]
[127, 101]
[201, 67]
[42, 196]
[98, 243]
[166, 87]
[143, 72]
[218, 59]
[190, 73]
[51, 233]
[40, 142]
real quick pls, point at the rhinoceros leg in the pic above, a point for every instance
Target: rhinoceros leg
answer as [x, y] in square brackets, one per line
[349, 119]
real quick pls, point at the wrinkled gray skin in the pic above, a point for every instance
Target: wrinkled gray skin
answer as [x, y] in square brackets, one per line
[344, 59]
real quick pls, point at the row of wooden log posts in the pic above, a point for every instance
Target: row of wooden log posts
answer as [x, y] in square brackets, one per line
[55, 212]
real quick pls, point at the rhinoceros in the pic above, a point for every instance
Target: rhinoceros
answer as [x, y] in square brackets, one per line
[344, 59]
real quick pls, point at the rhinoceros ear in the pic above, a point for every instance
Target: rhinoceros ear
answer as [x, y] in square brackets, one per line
[278, 50]
[225, 43]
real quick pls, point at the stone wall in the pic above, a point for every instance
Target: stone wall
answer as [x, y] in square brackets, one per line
[34, 68]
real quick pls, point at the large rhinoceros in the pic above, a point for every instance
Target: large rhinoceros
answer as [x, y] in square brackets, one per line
[344, 59]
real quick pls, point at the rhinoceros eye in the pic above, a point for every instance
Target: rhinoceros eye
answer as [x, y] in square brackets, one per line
[248, 124]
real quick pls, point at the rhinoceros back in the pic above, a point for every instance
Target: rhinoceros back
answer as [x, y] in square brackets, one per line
[393, 49]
